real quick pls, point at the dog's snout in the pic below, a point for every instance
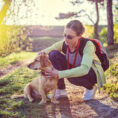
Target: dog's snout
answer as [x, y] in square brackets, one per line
[34, 66]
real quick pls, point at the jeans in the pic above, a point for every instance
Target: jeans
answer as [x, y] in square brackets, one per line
[60, 63]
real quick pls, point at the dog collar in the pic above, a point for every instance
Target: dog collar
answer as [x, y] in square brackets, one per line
[43, 73]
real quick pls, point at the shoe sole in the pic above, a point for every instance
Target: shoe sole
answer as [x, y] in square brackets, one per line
[93, 95]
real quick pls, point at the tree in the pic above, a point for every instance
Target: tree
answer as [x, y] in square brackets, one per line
[12, 9]
[79, 14]
[13, 38]
[97, 21]
[4, 10]
[97, 2]
[110, 32]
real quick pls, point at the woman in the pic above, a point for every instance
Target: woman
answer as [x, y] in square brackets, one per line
[80, 70]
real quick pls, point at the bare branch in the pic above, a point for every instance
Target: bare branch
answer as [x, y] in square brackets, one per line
[73, 14]
[66, 15]
[76, 2]
[69, 15]
[89, 18]
[96, 1]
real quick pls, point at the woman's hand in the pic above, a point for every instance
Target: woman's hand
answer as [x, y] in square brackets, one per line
[53, 73]
[48, 74]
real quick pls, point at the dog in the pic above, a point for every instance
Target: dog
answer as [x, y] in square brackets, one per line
[41, 85]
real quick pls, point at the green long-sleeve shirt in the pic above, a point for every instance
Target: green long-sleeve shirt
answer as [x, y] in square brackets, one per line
[87, 62]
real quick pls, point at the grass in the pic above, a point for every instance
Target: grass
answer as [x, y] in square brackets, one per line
[111, 87]
[14, 58]
[14, 83]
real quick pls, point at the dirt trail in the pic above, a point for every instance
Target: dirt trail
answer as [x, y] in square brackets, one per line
[74, 107]
[13, 67]
[101, 107]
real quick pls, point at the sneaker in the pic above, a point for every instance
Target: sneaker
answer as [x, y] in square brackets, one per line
[89, 94]
[59, 94]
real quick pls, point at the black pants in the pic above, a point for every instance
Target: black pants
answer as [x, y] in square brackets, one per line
[59, 62]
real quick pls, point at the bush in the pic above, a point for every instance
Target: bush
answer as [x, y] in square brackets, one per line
[111, 86]
[14, 39]
[103, 34]
[89, 31]
[112, 90]
[116, 33]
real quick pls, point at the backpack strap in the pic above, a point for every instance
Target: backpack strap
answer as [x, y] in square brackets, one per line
[96, 43]
[83, 42]
[64, 47]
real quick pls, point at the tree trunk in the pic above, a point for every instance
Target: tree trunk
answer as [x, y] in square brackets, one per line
[96, 36]
[110, 32]
[3, 12]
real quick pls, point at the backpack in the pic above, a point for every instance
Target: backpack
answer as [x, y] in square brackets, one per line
[100, 51]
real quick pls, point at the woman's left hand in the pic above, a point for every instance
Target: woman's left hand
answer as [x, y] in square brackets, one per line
[53, 73]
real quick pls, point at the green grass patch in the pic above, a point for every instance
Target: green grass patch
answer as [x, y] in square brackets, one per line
[114, 70]
[111, 87]
[14, 83]
[5, 114]
[16, 80]
[15, 57]
[112, 90]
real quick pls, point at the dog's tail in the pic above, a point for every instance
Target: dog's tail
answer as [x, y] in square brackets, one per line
[17, 96]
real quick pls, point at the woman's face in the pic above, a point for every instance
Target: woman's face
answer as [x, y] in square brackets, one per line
[70, 37]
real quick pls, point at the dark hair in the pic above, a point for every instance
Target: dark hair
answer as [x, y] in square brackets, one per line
[77, 26]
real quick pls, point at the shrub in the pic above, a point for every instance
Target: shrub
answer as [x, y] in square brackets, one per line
[14, 39]
[111, 86]
[103, 34]
[89, 31]
[116, 33]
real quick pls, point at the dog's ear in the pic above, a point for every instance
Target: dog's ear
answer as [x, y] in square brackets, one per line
[44, 60]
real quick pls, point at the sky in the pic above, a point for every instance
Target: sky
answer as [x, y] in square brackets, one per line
[43, 12]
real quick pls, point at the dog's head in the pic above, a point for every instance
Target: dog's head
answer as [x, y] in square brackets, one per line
[41, 62]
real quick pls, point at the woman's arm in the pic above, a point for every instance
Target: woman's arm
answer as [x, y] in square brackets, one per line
[86, 64]
[56, 46]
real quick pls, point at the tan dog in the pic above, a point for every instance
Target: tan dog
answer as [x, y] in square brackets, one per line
[41, 85]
